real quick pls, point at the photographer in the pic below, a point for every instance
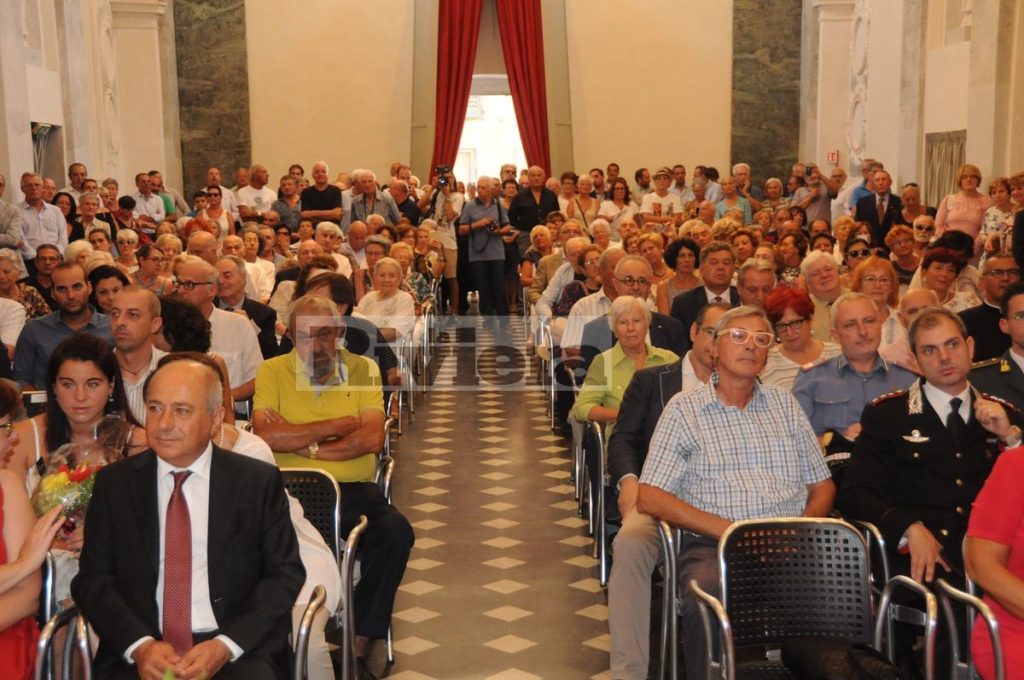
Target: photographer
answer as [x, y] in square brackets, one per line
[443, 204]
[816, 197]
[484, 221]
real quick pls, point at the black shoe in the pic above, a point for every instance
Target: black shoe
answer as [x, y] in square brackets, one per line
[363, 671]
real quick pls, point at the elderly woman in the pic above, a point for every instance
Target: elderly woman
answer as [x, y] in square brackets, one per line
[939, 269]
[997, 223]
[732, 199]
[904, 256]
[611, 371]
[567, 184]
[22, 293]
[617, 207]
[773, 195]
[150, 272]
[600, 232]
[415, 282]
[876, 278]
[376, 248]
[791, 251]
[583, 207]
[89, 205]
[170, 245]
[683, 258]
[127, 244]
[791, 313]
[540, 246]
[744, 244]
[964, 210]
[390, 308]
[913, 208]
[652, 248]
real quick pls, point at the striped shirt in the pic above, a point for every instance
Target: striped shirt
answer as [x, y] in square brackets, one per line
[748, 463]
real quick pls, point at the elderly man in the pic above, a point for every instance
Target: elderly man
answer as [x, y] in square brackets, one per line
[355, 249]
[406, 204]
[816, 197]
[322, 200]
[1003, 376]
[322, 406]
[134, 320]
[77, 173]
[911, 304]
[11, 234]
[73, 314]
[745, 187]
[661, 206]
[484, 223]
[46, 260]
[593, 306]
[231, 335]
[41, 222]
[149, 207]
[679, 186]
[632, 276]
[868, 166]
[821, 276]
[755, 281]
[717, 264]
[923, 455]
[998, 272]
[330, 238]
[881, 209]
[561, 278]
[255, 198]
[531, 206]
[833, 391]
[637, 547]
[373, 201]
[203, 245]
[193, 573]
[231, 297]
[443, 204]
[730, 450]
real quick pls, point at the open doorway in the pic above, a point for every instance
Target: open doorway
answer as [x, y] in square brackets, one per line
[490, 135]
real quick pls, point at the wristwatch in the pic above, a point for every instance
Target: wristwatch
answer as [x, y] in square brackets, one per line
[1014, 437]
[314, 448]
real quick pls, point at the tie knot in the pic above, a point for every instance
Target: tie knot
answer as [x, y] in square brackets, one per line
[954, 404]
[180, 477]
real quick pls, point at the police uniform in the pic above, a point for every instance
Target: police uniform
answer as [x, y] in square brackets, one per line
[906, 468]
[1000, 376]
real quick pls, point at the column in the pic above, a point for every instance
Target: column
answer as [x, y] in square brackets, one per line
[834, 21]
[15, 132]
[988, 88]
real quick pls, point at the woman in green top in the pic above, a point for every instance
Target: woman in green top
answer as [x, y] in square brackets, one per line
[612, 370]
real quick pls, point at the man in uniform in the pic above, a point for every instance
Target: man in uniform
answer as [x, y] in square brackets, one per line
[1003, 376]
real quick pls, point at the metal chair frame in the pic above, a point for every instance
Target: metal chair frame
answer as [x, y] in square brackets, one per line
[961, 664]
[301, 647]
[597, 499]
[76, 643]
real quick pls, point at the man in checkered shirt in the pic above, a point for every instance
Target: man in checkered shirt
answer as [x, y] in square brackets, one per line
[732, 450]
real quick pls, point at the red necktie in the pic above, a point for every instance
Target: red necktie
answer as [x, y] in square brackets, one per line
[881, 209]
[177, 603]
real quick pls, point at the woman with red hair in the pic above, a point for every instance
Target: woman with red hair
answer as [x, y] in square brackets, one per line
[791, 312]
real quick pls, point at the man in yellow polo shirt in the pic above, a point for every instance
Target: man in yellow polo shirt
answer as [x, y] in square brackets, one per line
[322, 406]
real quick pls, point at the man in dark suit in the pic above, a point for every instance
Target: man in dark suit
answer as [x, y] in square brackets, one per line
[880, 209]
[998, 273]
[923, 454]
[633, 276]
[637, 547]
[1002, 376]
[532, 206]
[231, 298]
[190, 562]
[717, 264]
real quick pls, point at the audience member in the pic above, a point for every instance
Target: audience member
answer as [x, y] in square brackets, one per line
[791, 313]
[231, 298]
[717, 265]
[1003, 375]
[999, 271]
[105, 280]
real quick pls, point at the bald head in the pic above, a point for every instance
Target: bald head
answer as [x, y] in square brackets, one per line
[203, 245]
[913, 301]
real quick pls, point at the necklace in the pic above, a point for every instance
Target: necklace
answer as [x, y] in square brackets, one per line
[133, 371]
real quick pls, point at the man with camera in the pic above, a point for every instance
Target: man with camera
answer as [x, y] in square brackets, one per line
[484, 222]
[816, 197]
[443, 203]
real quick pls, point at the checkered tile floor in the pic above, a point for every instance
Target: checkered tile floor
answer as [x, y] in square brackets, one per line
[501, 583]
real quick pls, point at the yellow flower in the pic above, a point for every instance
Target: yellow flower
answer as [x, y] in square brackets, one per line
[52, 483]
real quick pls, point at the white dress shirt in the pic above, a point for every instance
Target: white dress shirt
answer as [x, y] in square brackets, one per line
[583, 312]
[133, 392]
[690, 379]
[233, 337]
[196, 489]
[44, 226]
[940, 401]
[151, 206]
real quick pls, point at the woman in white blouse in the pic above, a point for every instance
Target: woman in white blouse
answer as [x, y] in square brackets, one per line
[618, 208]
[391, 309]
[791, 312]
[877, 278]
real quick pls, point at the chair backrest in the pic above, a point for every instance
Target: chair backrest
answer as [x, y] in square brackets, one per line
[320, 497]
[795, 577]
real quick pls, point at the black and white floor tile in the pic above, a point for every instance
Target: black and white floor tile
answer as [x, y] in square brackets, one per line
[501, 584]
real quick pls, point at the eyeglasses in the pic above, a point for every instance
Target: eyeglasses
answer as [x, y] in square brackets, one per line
[1016, 316]
[739, 336]
[591, 261]
[794, 325]
[1002, 273]
[883, 280]
[630, 281]
[191, 285]
[860, 252]
[919, 227]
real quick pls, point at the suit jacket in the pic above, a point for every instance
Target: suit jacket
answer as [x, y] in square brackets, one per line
[867, 211]
[983, 325]
[905, 468]
[265, 318]
[687, 306]
[641, 407]
[253, 556]
[1000, 377]
[665, 331]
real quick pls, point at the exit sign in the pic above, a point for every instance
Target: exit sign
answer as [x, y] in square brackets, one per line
[832, 157]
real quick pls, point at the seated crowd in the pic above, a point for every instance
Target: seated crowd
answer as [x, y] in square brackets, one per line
[730, 338]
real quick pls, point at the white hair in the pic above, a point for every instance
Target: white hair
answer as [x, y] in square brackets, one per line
[737, 166]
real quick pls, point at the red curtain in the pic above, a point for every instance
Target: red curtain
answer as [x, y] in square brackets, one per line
[458, 29]
[522, 41]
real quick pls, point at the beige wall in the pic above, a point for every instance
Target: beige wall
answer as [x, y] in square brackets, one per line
[330, 82]
[650, 88]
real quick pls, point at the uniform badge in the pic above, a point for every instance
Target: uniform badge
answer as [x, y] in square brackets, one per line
[915, 437]
[1004, 366]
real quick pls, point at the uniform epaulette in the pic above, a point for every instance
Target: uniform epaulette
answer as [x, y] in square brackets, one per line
[813, 364]
[1002, 402]
[985, 362]
[886, 397]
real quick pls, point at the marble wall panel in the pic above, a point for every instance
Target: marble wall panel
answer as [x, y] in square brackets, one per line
[766, 86]
[213, 88]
